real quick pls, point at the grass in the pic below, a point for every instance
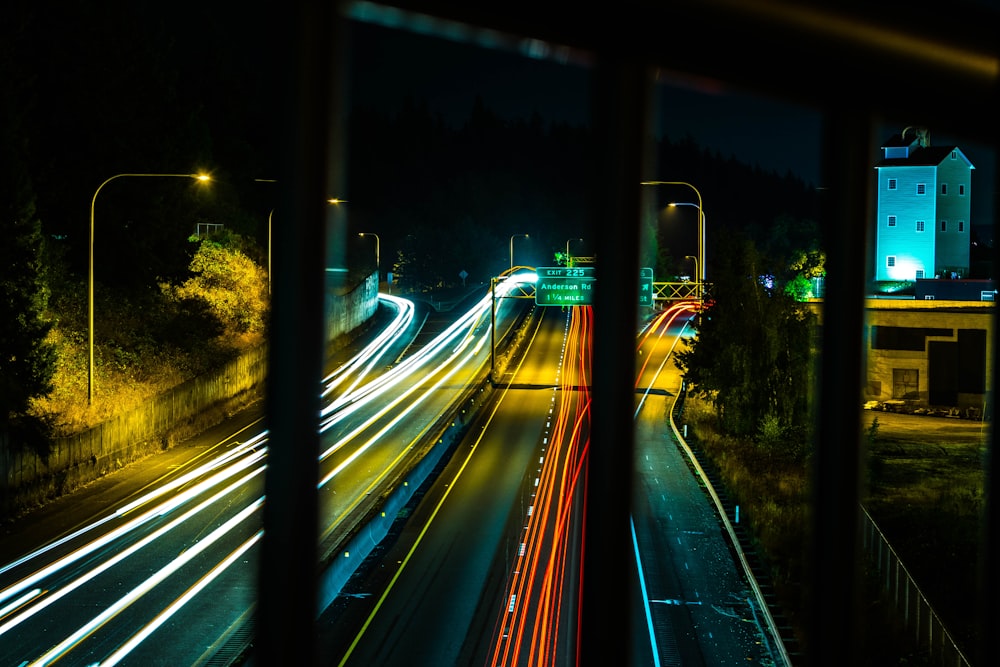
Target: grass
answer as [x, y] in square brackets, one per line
[927, 496]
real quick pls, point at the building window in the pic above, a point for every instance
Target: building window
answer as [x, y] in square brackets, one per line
[961, 190]
[920, 225]
[892, 221]
[988, 296]
[944, 188]
[921, 188]
[892, 183]
[961, 225]
[954, 155]
[944, 225]
[905, 383]
[890, 261]
[920, 274]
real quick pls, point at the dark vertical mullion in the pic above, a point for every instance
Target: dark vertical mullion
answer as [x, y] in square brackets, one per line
[621, 95]
[285, 622]
[989, 566]
[834, 563]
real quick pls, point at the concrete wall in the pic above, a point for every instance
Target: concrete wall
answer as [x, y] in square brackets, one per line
[883, 366]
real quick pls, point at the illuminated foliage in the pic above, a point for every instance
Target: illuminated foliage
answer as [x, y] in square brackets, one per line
[226, 283]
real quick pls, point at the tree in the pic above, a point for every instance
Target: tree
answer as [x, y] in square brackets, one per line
[227, 284]
[752, 354]
[27, 359]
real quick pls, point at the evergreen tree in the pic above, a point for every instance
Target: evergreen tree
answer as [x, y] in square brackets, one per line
[752, 353]
[27, 359]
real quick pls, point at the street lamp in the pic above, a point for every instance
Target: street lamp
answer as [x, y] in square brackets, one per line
[701, 231]
[568, 262]
[362, 235]
[701, 226]
[90, 275]
[512, 248]
[692, 257]
[270, 217]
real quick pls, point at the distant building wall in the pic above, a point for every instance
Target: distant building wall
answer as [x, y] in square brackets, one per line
[928, 353]
[955, 290]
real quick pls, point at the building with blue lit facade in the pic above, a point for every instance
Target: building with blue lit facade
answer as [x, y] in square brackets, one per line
[923, 210]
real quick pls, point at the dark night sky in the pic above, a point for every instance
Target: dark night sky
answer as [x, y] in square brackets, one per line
[390, 64]
[448, 75]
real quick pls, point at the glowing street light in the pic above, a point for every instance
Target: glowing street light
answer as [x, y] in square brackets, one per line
[701, 231]
[512, 248]
[701, 226]
[362, 235]
[90, 276]
[695, 259]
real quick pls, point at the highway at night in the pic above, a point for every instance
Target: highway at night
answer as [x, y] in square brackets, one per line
[483, 563]
[166, 575]
[486, 568]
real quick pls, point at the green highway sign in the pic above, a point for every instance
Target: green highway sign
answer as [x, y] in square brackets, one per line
[574, 286]
[565, 272]
[645, 286]
[565, 286]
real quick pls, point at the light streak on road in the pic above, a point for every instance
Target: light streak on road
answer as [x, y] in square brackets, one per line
[374, 351]
[189, 594]
[543, 566]
[230, 473]
[119, 556]
[161, 575]
[118, 534]
[529, 626]
[162, 490]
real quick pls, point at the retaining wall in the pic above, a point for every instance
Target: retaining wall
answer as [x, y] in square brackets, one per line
[27, 479]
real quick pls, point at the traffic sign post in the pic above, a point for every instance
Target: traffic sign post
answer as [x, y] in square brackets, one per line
[565, 286]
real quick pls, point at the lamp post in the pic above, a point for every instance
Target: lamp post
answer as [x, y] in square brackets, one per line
[362, 235]
[270, 217]
[90, 272]
[701, 233]
[701, 225]
[512, 248]
[692, 257]
[568, 262]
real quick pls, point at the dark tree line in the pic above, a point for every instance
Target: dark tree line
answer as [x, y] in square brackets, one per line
[448, 198]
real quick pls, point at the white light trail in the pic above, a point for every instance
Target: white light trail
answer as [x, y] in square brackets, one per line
[179, 603]
[25, 599]
[230, 455]
[118, 557]
[161, 575]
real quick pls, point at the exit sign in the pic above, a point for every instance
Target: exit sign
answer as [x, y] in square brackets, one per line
[565, 286]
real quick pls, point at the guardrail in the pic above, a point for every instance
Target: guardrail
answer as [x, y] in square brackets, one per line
[906, 597]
